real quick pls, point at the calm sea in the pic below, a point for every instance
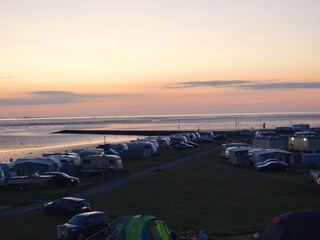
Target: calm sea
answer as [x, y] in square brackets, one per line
[30, 137]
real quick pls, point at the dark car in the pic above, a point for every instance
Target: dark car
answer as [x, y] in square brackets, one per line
[183, 145]
[62, 179]
[67, 206]
[303, 225]
[220, 137]
[84, 225]
[192, 144]
[273, 167]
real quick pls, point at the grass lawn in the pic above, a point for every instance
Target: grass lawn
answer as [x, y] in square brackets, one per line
[213, 196]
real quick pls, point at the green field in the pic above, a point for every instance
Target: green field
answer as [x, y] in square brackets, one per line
[207, 194]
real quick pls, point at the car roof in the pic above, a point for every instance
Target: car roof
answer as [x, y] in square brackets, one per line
[90, 213]
[55, 173]
[58, 173]
[74, 199]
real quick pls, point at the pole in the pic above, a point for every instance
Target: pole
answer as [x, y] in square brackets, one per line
[260, 123]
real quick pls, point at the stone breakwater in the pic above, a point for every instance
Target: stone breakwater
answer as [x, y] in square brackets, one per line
[134, 132]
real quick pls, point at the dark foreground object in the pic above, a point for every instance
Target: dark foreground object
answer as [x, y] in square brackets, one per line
[304, 225]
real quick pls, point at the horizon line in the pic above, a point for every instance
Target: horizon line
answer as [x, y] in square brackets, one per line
[26, 118]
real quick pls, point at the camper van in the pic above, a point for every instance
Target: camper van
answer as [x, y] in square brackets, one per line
[101, 163]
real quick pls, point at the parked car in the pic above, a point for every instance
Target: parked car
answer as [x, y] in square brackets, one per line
[84, 225]
[273, 166]
[220, 137]
[67, 206]
[62, 179]
[302, 225]
[192, 144]
[183, 145]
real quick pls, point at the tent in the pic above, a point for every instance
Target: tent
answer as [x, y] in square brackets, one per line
[304, 225]
[140, 227]
[28, 166]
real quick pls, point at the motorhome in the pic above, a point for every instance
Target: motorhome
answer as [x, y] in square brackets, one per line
[101, 163]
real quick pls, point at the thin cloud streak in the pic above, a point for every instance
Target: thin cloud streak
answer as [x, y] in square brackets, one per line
[214, 83]
[249, 85]
[56, 97]
[282, 85]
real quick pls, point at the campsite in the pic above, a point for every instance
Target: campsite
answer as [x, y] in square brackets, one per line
[207, 193]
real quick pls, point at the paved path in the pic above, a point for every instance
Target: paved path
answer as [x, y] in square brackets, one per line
[112, 184]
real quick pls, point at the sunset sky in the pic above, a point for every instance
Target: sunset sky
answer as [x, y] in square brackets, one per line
[125, 57]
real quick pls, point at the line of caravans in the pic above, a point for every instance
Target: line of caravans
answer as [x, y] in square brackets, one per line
[303, 147]
[104, 158]
[28, 171]
[246, 154]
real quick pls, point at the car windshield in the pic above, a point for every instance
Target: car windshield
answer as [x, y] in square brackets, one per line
[78, 220]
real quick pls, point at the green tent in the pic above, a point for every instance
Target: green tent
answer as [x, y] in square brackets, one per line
[140, 227]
